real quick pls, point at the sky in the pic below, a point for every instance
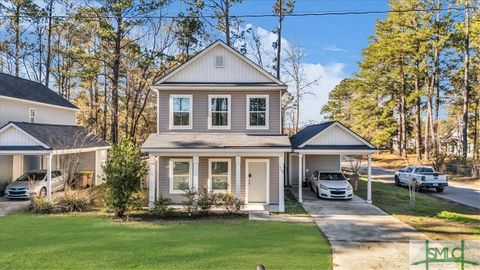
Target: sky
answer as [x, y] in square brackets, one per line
[332, 44]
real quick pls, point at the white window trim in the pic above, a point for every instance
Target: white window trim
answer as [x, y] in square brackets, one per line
[229, 112]
[267, 112]
[190, 113]
[215, 61]
[30, 115]
[170, 165]
[229, 181]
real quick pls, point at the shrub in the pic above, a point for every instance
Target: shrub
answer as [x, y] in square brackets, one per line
[139, 200]
[229, 203]
[76, 201]
[124, 173]
[162, 206]
[40, 205]
[191, 201]
[206, 200]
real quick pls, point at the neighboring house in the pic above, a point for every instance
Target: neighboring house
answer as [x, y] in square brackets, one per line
[38, 130]
[219, 127]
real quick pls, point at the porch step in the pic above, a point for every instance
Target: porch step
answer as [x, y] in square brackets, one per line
[258, 215]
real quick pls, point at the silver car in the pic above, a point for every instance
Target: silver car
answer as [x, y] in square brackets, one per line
[33, 183]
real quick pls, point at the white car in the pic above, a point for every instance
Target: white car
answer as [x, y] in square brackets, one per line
[424, 176]
[33, 183]
[331, 185]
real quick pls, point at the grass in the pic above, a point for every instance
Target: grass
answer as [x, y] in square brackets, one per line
[92, 242]
[437, 218]
[394, 162]
[292, 206]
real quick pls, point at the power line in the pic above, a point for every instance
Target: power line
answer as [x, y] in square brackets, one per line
[303, 14]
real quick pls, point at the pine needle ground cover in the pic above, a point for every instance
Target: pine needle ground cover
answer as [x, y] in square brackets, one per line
[93, 242]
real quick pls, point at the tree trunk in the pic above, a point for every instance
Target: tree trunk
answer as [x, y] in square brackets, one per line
[227, 22]
[279, 38]
[16, 26]
[115, 78]
[49, 43]
[418, 120]
[466, 90]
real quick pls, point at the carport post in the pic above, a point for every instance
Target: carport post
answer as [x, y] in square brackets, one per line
[151, 182]
[49, 177]
[369, 177]
[300, 177]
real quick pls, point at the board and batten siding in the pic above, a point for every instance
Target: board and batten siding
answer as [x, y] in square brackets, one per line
[235, 70]
[18, 111]
[164, 176]
[335, 136]
[238, 111]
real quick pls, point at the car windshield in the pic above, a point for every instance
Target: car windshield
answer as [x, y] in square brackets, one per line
[332, 176]
[425, 170]
[32, 177]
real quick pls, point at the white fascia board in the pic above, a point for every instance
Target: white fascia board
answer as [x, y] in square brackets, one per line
[217, 87]
[25, 152]
[79, 150]
[335, 152]
[274, 152]
[39, 103]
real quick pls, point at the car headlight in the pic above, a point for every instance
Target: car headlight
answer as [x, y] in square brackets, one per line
[323, 187]
[349, 187]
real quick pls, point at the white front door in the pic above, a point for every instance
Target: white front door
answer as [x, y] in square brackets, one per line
[257, 181]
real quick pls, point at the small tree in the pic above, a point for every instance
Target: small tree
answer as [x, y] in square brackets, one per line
[124, 172]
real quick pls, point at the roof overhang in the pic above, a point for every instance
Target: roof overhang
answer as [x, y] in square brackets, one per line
[39, 103]
[219, 87]
[215, 150]
[335, 151]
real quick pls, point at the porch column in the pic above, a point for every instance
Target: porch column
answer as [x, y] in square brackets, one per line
[49, 177]
[151, 182]
[300, 177]
[281, 184]
[369, 177]
[238, 164]
[195, 173]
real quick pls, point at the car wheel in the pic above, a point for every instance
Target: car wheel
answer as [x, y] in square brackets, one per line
[43, 192]
[439, 190]
[310, 186]
[397, 181]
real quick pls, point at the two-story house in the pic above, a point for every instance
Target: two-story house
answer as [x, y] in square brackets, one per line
[38, 130]
[219, 127]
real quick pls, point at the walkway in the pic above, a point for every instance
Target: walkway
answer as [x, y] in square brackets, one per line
[7, 207]
[362, 236]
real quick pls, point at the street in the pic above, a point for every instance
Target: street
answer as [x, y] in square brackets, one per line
[455, 192]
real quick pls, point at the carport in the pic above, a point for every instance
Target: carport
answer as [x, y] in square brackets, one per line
[46, 147]
[321, 147]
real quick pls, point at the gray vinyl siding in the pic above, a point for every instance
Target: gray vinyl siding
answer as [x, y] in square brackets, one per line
[238, 111]
[164, 181]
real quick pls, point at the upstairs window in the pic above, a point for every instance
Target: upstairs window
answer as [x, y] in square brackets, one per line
[219, 61]
[219, 112]
[257, 112]
[32, 115]
[181, 111]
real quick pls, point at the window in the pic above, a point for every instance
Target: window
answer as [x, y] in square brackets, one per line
[181, 111]
[257, 111]
[32, 115]
[219, 175]
[180, 175]
[219, 61]
[219, 112]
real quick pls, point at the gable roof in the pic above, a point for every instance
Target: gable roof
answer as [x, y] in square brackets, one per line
[19, 88]
[58, 137]
[304, 138]
[218, 43]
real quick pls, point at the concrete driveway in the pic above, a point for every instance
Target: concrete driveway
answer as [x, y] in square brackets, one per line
[362, 236]
[10, 206]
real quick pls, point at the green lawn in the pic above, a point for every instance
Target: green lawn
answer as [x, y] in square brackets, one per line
[436, 218]
[88, 242]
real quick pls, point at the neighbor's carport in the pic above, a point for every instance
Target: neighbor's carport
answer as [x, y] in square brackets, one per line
[43, 141]
[321, 147]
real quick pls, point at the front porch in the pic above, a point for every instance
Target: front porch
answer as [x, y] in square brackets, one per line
[256, 179]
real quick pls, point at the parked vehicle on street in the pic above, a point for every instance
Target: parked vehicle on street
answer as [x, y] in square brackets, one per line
[331, 185]
[33, 183]
[424, 177]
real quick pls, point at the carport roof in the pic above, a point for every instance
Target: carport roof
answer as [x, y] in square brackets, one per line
[54, 137]
[307, 133]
